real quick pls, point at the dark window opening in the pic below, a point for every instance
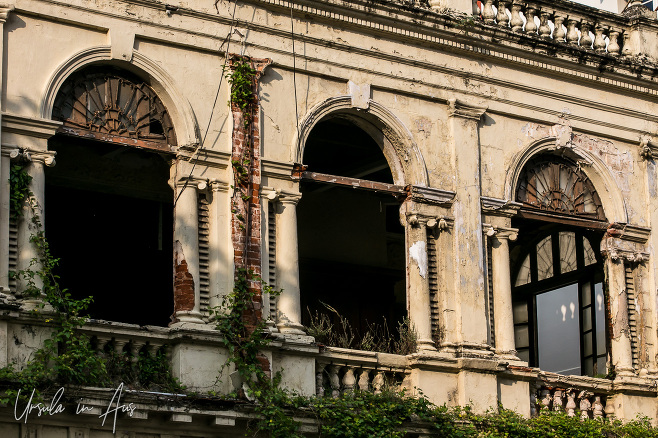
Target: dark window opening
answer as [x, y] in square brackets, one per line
[351, 243]
[109, 218]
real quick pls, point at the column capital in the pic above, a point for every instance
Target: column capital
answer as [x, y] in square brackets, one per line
[500, 232]
[31, 155]
[464, 110]
[419, 220]
[218, 186]
[5, 9]
[625, 242]
[282, 196]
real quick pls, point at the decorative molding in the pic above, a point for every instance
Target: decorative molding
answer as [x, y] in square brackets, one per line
[648, 149]
[207, 157]
[430, 195]
[278, 195]
[631, 233]
[438, 223]
[499, 207]
[29, 126]
[460, 109]
[5, 9]
[500, 232]
[619, 249]
[276, 169]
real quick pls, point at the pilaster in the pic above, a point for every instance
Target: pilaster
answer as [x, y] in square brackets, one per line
[468, 245]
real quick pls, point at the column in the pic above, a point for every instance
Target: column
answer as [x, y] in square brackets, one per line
[221, 257]
[31, 223]
[4, 176]
[620, 342]
[468, 244]
[502, 294]
[289, 310]
[186, 255]
[418, 295]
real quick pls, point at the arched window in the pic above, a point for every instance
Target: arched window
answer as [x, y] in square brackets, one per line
[557, 271]
[108, 204]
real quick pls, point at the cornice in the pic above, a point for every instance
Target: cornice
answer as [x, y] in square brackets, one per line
[430, 195]
[276, 169]
[29, 126]
[499, 207]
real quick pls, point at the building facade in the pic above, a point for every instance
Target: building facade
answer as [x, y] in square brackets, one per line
[485, 169]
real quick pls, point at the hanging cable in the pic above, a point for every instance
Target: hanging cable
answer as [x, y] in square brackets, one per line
[198, 149]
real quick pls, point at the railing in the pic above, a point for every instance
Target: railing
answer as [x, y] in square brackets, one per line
[340, 371]
[560, 22]
[582, 396]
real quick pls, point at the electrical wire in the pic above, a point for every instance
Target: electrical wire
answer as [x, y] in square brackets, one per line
[214, 105]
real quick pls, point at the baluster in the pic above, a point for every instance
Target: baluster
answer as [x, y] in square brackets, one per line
[319, 379]
[558, 33]
[544, 28]
[571, 403]
[378, 382]
[599, 40]
[516, 22]
[585, 38]
[545, 398]
[136, 347]
[609, 409]
[349, 381]
[572, 33]
[118, 346]
[334, 380]
[502, 17]
[585, 405]
[597, 408]
[530, 25]
[626, 48]
[557, 400]
[613, 44]
[364, 380]
[488, 13]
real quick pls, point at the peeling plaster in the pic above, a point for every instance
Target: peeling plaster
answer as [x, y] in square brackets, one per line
[418, 253]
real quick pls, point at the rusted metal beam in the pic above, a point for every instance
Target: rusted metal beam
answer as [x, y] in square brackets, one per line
[566, 220]
[155, 145]
[355, 183]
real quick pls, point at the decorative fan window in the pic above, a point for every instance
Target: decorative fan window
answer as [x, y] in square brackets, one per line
[115, 108]
[559, 304]
[557, 185]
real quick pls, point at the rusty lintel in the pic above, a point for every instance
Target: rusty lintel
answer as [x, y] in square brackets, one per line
[354, 183]
[142, 143]
[566, 220]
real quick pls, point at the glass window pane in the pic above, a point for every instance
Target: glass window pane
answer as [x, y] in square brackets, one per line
[524, 273]
[545, 259]
[588, 366]
[521, 337]
[557, 330]
[524, 355]
[586, 294]
[599, 314]
[587, 344]
[587, 319]
[590, 257]
[520, 312]
[601, 369]
[568, 261]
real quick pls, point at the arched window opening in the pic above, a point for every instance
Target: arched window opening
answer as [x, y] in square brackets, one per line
[351, 243]
[108, 206]
[559, 299]
[113, 106]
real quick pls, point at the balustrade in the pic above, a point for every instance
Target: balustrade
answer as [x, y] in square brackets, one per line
[334, 378]
[585, 402]
[574, 27]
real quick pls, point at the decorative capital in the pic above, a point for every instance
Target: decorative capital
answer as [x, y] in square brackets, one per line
[429, 195]
[648, 150]
[461, 109]
[438, 223]
[218, 186]
[282, 196]
[499, 207]
[5, 9]
[618, 247]
[31, 155]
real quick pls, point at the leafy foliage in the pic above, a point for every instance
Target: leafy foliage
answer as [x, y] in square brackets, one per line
[242, 84]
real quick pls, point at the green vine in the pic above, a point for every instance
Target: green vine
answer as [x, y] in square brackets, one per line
[241, 80]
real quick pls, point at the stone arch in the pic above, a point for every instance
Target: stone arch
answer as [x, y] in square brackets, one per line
[180, 110]
[591, 165]
[395, 140]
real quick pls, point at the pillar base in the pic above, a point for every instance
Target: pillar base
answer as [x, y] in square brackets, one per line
[189, 317]
[292, 328]
[508, 355]
[425, 345]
